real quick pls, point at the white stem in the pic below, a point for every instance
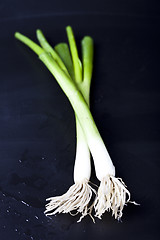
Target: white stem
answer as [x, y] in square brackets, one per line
[102, 161]
[82, 167]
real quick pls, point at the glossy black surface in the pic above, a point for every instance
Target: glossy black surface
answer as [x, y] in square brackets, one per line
[37, 126]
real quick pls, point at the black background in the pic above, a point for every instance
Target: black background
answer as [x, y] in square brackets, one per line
[37, 126]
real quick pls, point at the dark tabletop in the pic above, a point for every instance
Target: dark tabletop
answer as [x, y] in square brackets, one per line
[37, 125]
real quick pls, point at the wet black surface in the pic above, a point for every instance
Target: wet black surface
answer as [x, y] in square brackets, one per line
[37, 133]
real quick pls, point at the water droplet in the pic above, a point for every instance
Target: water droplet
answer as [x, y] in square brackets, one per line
[25, 203]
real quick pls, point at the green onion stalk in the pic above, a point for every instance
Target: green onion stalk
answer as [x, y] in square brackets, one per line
[70, 63]
[74, 77]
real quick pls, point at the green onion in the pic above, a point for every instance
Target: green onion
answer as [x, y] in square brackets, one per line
[68, 201]
[74, 78]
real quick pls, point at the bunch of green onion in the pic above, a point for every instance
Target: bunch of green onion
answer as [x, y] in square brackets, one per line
[74, 77]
